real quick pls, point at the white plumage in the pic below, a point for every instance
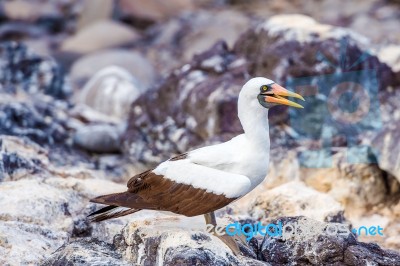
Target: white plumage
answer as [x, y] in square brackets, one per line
[235, 167]
[209, 178]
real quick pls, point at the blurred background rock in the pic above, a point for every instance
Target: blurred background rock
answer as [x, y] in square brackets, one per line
[94, 91]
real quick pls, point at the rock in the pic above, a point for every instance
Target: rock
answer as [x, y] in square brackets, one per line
[177, 247]
[93, 38]
[206, 29]
[25, 159]
[177, 240]
[385, 142]
[391, 214]
[379, 25]
[177, 41]
[358, 186]
[380, 18]
[284, 167]
[111, 91]
[51, 206]
[84, 114]
[20, 159]
[211, 83]
[37, 10]
[43, 120]
[317, 247]
[370, 253]
[305, 58]
[143, 245]
[252, 262]
[301, 28]
[50, 17]
[88, 251]
[154, 10]
[21, 31]
[32, 229]
[26, 10]
[133, 62]
[41, 48]
[320, 62]
[45, 212]
[390, 55]
[101, 138]
[95, 11]
[385, 218]
[295, 199]
[24, 70]
[27, 244]
[85, 252]
[268, 49]
[46, 181]
[147, 244]
[158, 238]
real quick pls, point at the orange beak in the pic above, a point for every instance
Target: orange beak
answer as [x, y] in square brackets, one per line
[276, 94]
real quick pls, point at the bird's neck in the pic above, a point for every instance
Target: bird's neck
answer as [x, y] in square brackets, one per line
[254, 120]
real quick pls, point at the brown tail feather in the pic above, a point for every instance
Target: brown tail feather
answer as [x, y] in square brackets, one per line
[120, 204]
[123, 199]
[103, 210]
[110, 212]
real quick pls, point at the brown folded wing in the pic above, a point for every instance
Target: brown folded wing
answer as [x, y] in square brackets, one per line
[155, 192]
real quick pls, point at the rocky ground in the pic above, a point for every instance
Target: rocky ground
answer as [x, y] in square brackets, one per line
[87, 99]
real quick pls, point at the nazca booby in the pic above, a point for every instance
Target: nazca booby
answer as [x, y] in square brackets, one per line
[209, 178]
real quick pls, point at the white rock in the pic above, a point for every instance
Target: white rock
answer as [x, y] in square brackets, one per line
[111, 91]
[155, 9]
[102, 138]
[284, 167]
[27, 10]
[390, 55]
[294, 199]
[100, 35]
[132, 61]
[85, 251]
[152, 240]
[27, 244]
[206, 31]
[33, 201]
[358, 187]
[38, 215]
[302, 28]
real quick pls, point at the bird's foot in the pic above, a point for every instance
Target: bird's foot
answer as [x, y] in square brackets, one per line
[230, 241]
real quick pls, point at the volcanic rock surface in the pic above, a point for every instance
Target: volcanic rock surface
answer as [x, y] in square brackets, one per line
[77, 121]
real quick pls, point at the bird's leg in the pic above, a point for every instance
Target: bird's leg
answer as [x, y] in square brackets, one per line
[228, 240]
[210, 219]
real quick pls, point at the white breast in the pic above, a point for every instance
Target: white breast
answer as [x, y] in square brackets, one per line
[210, 179]
[237, 156]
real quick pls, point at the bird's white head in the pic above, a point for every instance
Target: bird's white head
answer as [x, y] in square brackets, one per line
[267, 93]
[257, 96]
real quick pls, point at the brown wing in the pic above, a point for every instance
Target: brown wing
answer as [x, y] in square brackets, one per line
[155, 192]
[110, 212]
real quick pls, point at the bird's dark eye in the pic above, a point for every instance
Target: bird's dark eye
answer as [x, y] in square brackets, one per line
[264, 88]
